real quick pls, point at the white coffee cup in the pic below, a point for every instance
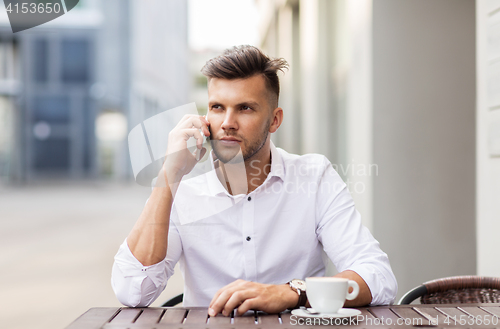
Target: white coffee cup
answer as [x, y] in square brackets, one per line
[328, 294]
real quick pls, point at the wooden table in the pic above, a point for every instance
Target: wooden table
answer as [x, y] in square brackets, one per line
[400, 316]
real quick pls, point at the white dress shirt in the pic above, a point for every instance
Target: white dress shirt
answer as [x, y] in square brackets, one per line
[282, 230]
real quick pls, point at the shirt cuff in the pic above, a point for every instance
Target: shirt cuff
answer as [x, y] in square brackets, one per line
[131, 267]
[382, 291]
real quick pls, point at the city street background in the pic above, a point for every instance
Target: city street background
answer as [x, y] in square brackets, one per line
[57, 243]
[409, 87]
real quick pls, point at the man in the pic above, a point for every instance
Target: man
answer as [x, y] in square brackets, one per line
[286, 213]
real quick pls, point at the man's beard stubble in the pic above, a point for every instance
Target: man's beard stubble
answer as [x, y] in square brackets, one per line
[227, 155]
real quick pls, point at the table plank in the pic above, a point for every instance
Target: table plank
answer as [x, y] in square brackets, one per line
[410, 315]
[366, 314]
[492, 309]
[245, 319]
[197, 316]
[481, 317]
[474, 310]
[150, 316]
[219, 319]
[365, 317]
[173, 316]
[94, 318]
[457, 313]
[383, 312]
[285, 318]
[268, 319]
[429, 312]
[126, 315]
[451, 311]
[465, 315]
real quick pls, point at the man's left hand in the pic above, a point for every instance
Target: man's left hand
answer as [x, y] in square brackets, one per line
[246, 295]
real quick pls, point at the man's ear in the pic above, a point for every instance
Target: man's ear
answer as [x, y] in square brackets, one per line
[277, 119]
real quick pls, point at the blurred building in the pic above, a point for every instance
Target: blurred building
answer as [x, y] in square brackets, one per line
[199, 90]
[488, 136]
[71, 89]
[386, 89]
[9, 92]
[160, 57]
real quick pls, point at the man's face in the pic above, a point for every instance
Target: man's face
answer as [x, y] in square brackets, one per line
[240, 115]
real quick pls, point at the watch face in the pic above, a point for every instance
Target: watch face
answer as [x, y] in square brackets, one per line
[299, 284]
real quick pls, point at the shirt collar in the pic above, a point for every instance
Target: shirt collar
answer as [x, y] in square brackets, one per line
[277, 164]
[277, 170]
[214, 185]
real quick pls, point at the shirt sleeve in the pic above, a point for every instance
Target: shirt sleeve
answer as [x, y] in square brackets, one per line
[348, 243]
[136, 285]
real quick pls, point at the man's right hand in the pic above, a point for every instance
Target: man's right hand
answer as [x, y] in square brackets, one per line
[179, 161]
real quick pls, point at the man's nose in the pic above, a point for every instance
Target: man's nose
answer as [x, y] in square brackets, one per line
[230, 121]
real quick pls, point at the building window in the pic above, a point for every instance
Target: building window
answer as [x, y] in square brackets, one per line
[52, 109]
[52, 153]
[75, 61]
[40, 60]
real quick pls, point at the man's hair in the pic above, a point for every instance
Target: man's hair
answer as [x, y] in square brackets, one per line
[242, 62]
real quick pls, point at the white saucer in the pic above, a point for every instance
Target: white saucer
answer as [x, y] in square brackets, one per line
[342, 313]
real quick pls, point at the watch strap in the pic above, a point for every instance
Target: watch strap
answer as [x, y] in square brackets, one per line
[302, 296]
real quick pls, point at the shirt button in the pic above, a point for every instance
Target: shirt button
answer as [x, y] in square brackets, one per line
[249, 238]
[249, 198]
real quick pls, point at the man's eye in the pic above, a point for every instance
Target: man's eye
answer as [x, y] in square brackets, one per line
[246, 108]
[216, 107]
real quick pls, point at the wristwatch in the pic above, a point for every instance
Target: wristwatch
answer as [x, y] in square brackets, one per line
[299, 286]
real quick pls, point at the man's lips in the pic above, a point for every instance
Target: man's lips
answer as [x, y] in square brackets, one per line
[229, 141]
[232, 139]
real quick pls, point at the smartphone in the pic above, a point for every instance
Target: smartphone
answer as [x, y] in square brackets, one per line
[207, 139]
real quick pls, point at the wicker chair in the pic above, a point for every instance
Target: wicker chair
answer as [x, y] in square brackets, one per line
[456, 290]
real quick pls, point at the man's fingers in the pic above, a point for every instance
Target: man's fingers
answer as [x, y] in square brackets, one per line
[222, 296]
[193, 132]
[219, 306]
[199, 154]
[236, 299]
[201, 124]
[214, 299]
[204, 119]
[186, 120]
[247, 305]
[196, 121]
[226, 287]
[245, 295]
[202, 153]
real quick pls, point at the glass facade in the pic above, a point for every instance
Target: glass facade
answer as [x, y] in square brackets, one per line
[40, 61]
[58, 114]
[51, 109]
[75, 63]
